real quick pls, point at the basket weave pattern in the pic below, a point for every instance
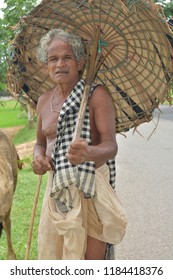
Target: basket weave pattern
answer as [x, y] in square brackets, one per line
[138, 70]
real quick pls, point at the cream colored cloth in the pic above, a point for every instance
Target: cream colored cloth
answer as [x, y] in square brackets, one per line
[64, 236]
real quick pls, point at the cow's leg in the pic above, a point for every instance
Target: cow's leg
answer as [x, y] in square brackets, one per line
[7, 227]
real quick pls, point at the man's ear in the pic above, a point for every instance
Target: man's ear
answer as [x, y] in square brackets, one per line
[81, 64]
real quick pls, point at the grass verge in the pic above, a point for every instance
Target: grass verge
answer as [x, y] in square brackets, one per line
[21, 213]
[12, 114]
[25, 135]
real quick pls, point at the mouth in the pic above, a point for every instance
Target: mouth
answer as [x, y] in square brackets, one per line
[61, 72]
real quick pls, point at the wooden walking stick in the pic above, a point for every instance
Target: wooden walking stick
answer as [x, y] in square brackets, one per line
[32, 217]
[94, 62]
[90, 73]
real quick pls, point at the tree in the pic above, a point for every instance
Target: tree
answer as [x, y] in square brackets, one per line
[169, 10]
[13, 11]
[167, 7]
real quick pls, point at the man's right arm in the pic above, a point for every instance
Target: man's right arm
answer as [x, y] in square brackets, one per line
[41, 163]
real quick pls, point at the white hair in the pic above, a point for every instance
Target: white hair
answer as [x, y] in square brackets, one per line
[73, 40]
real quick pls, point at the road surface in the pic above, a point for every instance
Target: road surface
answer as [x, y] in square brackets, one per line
[145, 186]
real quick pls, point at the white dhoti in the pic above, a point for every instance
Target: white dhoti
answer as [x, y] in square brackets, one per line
[63, 236]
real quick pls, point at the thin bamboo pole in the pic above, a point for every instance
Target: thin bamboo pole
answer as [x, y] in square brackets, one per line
[91, 71]
[32, 217]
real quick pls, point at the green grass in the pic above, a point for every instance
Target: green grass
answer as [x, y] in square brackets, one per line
[21, 213]
[25, 135]
[11, 114]
[26, 188]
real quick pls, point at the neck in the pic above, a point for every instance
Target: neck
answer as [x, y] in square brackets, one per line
[59, 95]
[65, 89]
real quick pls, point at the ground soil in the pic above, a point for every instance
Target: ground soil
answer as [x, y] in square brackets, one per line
[23, 150]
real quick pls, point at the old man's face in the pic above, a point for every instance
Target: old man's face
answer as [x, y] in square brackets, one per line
[62, 64]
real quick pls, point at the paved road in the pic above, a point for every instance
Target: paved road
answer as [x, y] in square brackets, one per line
[145, 187]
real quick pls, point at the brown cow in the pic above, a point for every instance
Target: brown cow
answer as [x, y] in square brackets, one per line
[8, 181]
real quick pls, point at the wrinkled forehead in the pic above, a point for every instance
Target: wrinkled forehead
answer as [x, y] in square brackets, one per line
[59, 45]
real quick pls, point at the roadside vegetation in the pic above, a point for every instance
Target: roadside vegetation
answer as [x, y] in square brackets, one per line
[21, 214]
[25, 135]
[12, 115]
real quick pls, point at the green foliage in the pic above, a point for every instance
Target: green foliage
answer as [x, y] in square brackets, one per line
[21, 213]
[10, 114]
[12, 14]
[167, 7]
[169, 10]
[25, 135]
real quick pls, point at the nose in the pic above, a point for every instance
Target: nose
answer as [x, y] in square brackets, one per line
[60, 62]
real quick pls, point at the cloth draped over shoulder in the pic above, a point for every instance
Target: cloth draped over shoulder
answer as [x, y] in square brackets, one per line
[66, 174]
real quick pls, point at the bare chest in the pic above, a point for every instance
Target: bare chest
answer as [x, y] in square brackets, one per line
[49, 123]
[50, 120]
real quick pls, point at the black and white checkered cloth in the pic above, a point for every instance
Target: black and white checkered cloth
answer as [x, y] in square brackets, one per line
[66, 174]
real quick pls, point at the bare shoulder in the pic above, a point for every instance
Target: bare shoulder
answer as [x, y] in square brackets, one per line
[102, 112]
[101, 97]
[42, 101]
